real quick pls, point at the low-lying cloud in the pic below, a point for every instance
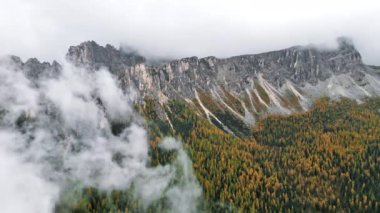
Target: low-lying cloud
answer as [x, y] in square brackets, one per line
[58, 130]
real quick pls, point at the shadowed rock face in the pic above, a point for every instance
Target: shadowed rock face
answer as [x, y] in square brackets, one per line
[94, 56]
[33, 68]
[231, 89]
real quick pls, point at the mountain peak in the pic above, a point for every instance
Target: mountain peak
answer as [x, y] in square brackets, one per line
[92, 55]
[345, 43]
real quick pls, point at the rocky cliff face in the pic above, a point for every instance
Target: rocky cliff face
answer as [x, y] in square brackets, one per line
[33, 68]
[91, 55]
[232, 92]
[300, 65]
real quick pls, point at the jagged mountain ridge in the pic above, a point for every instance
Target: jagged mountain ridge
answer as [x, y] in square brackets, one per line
[232, 92]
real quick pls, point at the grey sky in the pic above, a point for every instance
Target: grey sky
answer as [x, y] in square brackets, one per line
[178, 28]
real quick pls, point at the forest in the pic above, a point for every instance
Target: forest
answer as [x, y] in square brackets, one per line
[326, 159]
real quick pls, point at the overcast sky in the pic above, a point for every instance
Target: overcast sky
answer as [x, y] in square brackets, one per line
[178, 28]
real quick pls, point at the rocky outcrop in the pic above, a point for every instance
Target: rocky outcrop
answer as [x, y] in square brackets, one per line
[33, 68]
[91, 55]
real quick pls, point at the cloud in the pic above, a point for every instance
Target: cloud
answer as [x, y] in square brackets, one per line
[21, 184]
[179, 28]
[56, 131]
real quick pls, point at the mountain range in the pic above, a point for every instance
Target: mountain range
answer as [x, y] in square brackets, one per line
[232, 93]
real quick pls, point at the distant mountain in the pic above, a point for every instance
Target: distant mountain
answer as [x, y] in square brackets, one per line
[234, 92]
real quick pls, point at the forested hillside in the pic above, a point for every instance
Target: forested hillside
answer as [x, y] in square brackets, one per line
[326, 159]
